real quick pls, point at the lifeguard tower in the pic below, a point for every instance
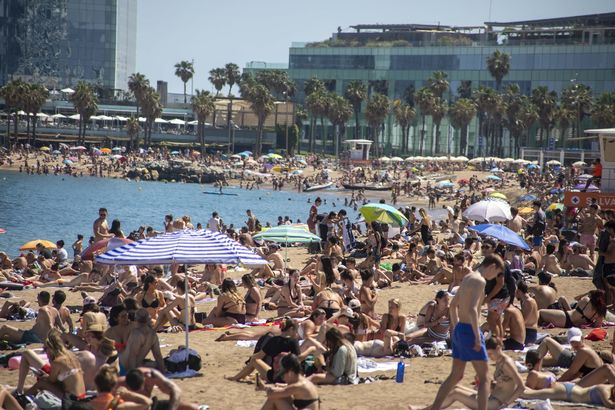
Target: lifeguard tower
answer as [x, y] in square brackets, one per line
[358, 150]
[606, 197]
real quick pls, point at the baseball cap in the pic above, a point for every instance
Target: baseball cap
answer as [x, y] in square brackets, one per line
[354, 304]
[574, 334]
[89, 300]
[346, 312]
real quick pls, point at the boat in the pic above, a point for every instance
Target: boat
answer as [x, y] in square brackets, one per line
[368, 187]
[219, 193]
[318, 187]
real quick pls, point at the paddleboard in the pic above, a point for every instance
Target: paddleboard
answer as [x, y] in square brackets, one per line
[219, 193]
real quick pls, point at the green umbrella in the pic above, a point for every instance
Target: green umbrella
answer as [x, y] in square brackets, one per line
[383, 213]
[288, 234]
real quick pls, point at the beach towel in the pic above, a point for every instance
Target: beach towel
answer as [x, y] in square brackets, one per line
[545, 404]
[368, 366]
[246, 343]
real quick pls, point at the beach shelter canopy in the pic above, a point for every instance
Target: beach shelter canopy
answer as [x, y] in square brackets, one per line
[488, 210]
[120, 118]
[161, 121]
[75, 117]
[68, 90]
[501, 233]
[30, 246]
[42, 115]
[383, 213]
[58, 116]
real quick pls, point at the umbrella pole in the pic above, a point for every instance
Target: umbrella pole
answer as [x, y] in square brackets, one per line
[187, 310]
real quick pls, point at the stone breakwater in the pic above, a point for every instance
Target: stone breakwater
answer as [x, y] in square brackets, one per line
[185, 171]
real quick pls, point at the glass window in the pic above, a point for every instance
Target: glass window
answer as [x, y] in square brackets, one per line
[361, 62]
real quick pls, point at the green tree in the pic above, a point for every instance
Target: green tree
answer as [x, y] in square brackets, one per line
[603, 113]
[86, 104]
[438, 83]
[217, 76]
[132, 129]
[203, 105]
[137, 84]
[312, 86]
[300, 116]
[184, 70]
[261, 103]
[465, 89]
[233, 76]
[487, 101]
[564, 119]
[356, 93]
[316, 104]
[578, 99]
[438, 112]
[13, 93]
[498, 64]
[424, 98]
[375, 112]
[512, 104]
[461, 114]
[152, 109]
[339, 113]
[35, 98]
[404, 115]
[527, 115]
[546, 103]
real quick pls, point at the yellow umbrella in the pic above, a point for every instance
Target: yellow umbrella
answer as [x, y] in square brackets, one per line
[555, 206]
[498, 195]
[526, 211]
[106, 150]
[45, 149]
[30, 246]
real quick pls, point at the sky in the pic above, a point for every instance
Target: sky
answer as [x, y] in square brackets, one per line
[213, 33]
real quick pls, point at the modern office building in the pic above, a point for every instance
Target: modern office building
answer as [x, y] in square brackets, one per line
[399, 58]
[60, 42]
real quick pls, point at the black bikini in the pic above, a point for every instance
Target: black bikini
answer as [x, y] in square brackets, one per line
[302, 404]
[329, 311]
[153, 305]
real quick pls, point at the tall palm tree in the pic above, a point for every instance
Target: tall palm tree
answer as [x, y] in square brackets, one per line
[438, 83]
[578, 99]
[404, 115]
[461, 114]
[356, 93]
[233, 76]
[217, 76]
[185, 71]
[603, 112]
[132, 129]
[152, 109]
[261, 103]
[375, 112]
[316, 103]
[138, 83]
[86, 104]
[312, 86]
[486, 99]
[527, 115]
[35, 99]
[546, 103]
[13, 93]
[564, 118]
[465, 89]
[498, 64]
[203, 105]
[424, 98]
[438, 112]
[339, 113]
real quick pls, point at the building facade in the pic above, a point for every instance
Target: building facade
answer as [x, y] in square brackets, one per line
[61, 42]
[398, 59]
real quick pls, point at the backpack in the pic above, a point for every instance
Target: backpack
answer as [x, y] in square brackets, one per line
[182, 359]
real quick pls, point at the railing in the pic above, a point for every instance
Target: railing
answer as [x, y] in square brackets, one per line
[565, 156]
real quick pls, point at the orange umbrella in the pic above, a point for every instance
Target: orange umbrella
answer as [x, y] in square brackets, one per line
[30, 246]
[106, 150]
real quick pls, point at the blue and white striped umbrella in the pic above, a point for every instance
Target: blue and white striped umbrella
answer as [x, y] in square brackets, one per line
[182, 247]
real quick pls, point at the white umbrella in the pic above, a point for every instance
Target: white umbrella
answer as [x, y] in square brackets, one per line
[120, 118]
[490, 210]
[105, 118]
[554, 162]
[56, 116]
[42, 115]
[75, 117]
[409, 159]
[68, 90]
[161, 121]
[397, 159]
[462, 159]
[194, 122]
[95, 117]
[177, 121]
[384, 159]
[21, 112]
[579, 164]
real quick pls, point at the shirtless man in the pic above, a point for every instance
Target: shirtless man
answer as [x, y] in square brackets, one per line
[245, 238]
[468, 342]
[101, 227]
[578, 260]
[459, 270]
[58, 299]
[589, 223]
[549, 262]
[514, 322]
[47, 319]
[515, 224]
[141, 341]
[545, 293]
[529, 308]
[143, 380]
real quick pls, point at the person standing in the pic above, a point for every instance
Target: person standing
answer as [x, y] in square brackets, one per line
[311, 221]
[101, 227]
[214, 223]
[251, 222]
[468, 342]
[590, 222]
[538, 224]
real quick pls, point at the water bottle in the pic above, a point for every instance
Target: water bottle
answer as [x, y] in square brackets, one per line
[401, 368]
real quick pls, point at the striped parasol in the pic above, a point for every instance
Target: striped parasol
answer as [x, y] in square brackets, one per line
[287, 234]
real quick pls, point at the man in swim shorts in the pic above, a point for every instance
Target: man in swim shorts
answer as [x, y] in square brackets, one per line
[468, 342]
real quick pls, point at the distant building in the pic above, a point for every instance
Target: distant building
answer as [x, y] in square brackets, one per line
[60, 42]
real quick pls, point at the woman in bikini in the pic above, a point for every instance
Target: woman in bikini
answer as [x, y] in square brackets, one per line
[291, 297]
[367, 294]
[298, 394]
[230, 309]
[62, 375]
[111, 397]
[433, 321]
[120, 327]
[151, 298]
[602, 395]
[252, 298]
[589, 311]
[327, 299]
[536, 378]
[579, 362]
[174, 312]
[393, 320]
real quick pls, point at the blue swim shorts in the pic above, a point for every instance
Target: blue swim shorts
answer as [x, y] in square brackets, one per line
[463, 344]
[29, 337]
[537, 240]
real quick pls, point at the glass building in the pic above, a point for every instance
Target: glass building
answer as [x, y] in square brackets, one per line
[60, 42]
[398, 59]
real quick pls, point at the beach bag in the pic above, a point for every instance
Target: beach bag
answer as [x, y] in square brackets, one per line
[182, 359]
[596, 335]
[47, 401]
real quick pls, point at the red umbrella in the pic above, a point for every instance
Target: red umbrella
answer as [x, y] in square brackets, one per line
[103, 246]
[463, 181]
[2, 230]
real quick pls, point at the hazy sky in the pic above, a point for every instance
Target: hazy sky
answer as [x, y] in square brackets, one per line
[213, 33]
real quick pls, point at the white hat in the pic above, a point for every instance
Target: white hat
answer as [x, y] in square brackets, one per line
[168, 295]
[89, 300]
[574, 334]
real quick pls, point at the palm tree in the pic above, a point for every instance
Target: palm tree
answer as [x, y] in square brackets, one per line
[487, 100]
[578, 99]
[603, 113]
[461, 114]
[546, 103]
[35, 99]
[465, 89]
[300, 116]
[152, 109]
[528, 115]
[217, 77]
[233, 76]
[13, 93]
[138, 83]
[404, 115]
[424, 98]
[339, 112]
[498, 64]
[438, 83]
[375, 112]
[356, 93]
[261, 103]
[184, 70]
[86, 104]
[203, 105]
[312, 86]
[438, 112]
[316, 104]
[564, 119]
[132, 129]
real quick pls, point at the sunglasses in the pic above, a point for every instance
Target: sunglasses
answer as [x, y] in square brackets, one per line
[485, 247]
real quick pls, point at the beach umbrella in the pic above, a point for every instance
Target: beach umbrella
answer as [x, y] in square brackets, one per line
[56, 152]
[105, 150]
[297, 172]
[397, 159]
[494, 178]
[488, 190]
[556, 191]
[118, 156]
[462, 159]
[383, 213]
[498, 195]
[30, 246]
[554, 162]
[95, 117]
[532, 166]
[527, 198]
[496, 169]
[177, 121]
[584, 176]
[67, 162]
[384, 159]
[275, 156]
[75, 117]
[103, 246]
[2, 231]
[526, 211]
[188, 246]
[463, 181]
[160, 121]
[78, 148]
[409, 159]
[116, 149]
[68, 90]
[45, 149]
[58, 116]
[42, 115]
[175, 153]
[590, 188]
[555, 206]
[579, 164]
[489, 210]
[501, 233]
[193, 122]
[445, 184]
[288, 234]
